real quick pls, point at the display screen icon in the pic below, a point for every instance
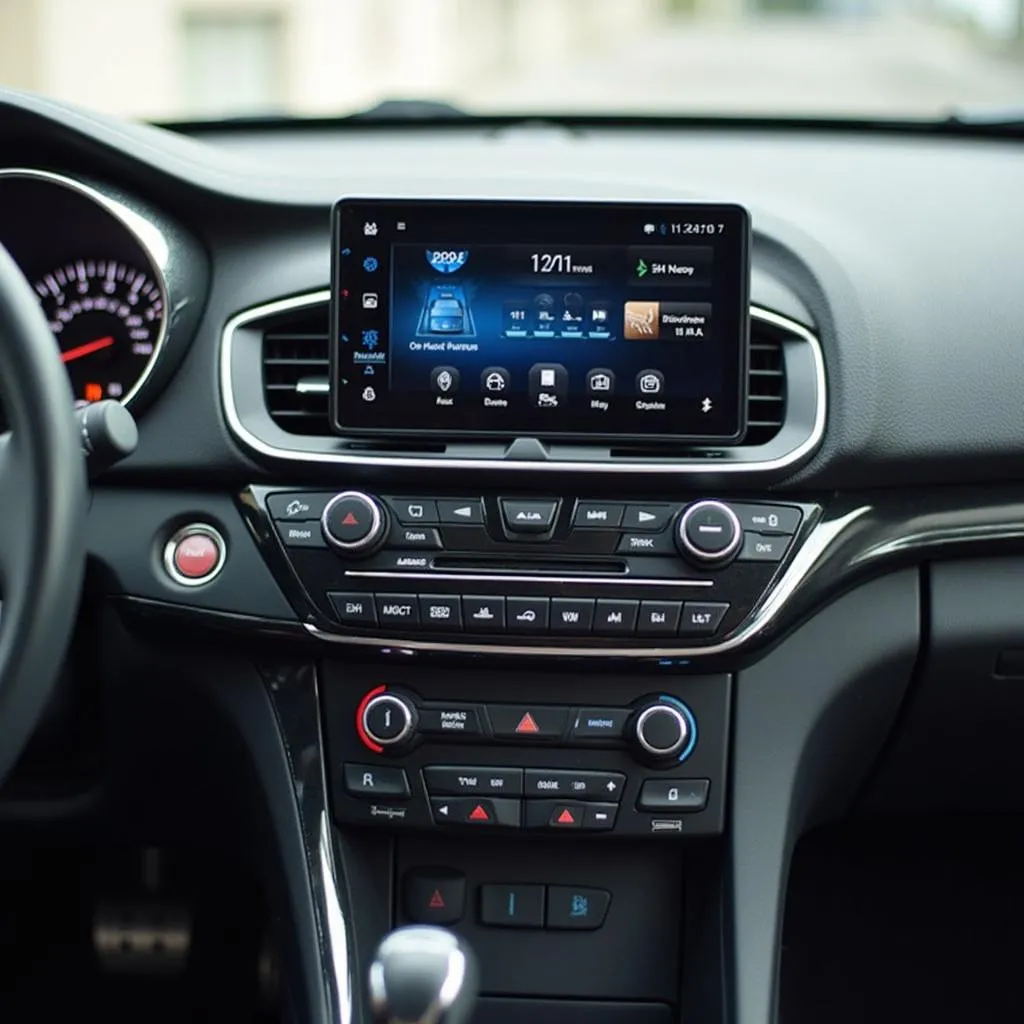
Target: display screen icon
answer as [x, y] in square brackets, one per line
[444, 380]
[650, 382]
[600, 381]
[641, 320]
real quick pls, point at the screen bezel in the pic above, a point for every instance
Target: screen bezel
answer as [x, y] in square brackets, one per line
[678, 208]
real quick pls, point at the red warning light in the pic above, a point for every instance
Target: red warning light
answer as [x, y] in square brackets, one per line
[566, 818]
[436, 901]
[527, 724]
[350, 519]
[93, 392]
[479, 814]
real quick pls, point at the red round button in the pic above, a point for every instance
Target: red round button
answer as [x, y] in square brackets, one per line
[196, 556]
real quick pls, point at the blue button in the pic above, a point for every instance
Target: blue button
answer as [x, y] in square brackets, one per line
[573, 907]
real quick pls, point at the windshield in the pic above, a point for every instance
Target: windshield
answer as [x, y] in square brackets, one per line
[198, 59]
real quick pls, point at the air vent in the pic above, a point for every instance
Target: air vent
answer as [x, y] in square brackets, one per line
[296, 377]
[766, 402]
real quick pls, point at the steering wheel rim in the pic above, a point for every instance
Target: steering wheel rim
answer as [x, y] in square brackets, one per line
[43, 498]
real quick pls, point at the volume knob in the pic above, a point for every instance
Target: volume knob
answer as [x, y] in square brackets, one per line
[388, 719]
[709, 533]
[664, 730]
[353, 523]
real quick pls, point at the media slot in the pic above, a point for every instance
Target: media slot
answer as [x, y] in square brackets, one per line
[528, 566]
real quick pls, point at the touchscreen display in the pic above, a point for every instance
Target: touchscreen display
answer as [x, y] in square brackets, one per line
[546, 319]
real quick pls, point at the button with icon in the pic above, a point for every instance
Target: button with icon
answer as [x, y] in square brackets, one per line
[650, 382]
[548, 383]
[600, 381]
[370, 300]
[369, 395]
[495, 380]
[444, 380]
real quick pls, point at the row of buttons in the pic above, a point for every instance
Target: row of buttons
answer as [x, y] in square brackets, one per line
[550, 814]
[474, 780]
[565, 615]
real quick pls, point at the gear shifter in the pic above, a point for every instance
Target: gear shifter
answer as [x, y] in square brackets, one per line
[422, 975]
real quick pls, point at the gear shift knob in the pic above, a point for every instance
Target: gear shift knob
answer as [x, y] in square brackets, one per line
[422, 975]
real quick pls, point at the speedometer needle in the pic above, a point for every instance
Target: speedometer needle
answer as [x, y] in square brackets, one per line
[87, 349]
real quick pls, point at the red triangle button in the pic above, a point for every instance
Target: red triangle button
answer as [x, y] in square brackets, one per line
[436, 901]
[479, 813]
[527, 724]
[350, 519]
[566, 818]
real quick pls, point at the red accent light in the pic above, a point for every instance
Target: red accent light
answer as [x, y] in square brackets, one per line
[479, 814]
[364, 739]
[566, 818]
[527, 724]
[93, 392]
[349, 520]
[436, 901]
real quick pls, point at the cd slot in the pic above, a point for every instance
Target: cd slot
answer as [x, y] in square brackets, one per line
[531, 566]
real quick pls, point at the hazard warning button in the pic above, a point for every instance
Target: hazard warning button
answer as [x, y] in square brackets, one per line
[474, 812]
[528, 722]
[434, 895]
[353, 522]
[557, 815]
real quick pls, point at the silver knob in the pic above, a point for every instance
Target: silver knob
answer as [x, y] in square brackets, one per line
[388, 719]
[662, 730]
[709, 532]
[353, 523]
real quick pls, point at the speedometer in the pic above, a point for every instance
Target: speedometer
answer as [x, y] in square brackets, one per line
[108, 318]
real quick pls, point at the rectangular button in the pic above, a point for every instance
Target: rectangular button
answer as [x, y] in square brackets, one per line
[375, 782]
[572, 614]
[528, 516]
[575, 785]
[576, 908]
[702, 618]
[564, 815]
[674, 795]
[473, 780]
[599, 723]
[422, 538]
[659, 618]
[298, 506]
[484, 614]
[301, 535]
[600, 817]
[528, 722]
[398, 610]
[414, 511]
[468, 512]
[475, 812]
[354, 609]
[616, 618]
[512, 906]
[450, 720]
[597, 514]
[434, 895]
[757, 547]
[768, 518]
[646, 544]
[527, 614]
[647, 517]
[441, 611]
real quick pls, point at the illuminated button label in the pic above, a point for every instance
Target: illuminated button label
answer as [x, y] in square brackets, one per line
[196, 556]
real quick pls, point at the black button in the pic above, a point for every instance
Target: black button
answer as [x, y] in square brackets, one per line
[646, 544]
[615, 618]
[768, 518]
[298, 506]
[674, 795]
[600, 817]
[376, 782]
[423, 538]
[449, 720]
[473, 780]
[528, 516]
[555, 814]
[527, 614]
[350, 519]
[470, 511]
[477, 812]
[595, 514]
[354, 609]
[572, 614]
[434, 895]
[574, 785]
[301, 535]
[484, 614]
[599, 723]
[757, 547]
[414, 511]
[528, 722]
[702, 618]
[386, 717]
[512, 906]
[441, 611]
[659, 618]
[397, 610]
[575, 907]
[647, 517]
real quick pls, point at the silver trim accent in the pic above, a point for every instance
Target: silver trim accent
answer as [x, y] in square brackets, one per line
[388, 698]
[203, 529]
[440, 574]
[694, 466]
[806, 558]
[373, 535]
[706, 557]
[656, 709]
[150, 240]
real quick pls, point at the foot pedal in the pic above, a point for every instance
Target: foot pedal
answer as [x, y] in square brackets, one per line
[150, 938]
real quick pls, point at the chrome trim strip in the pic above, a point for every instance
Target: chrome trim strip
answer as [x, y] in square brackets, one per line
[440, 574]
[806, 558]
[149, 238]
[693, 466]
[337, 932]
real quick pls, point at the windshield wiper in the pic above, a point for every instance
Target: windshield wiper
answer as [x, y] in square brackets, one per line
[410, 110]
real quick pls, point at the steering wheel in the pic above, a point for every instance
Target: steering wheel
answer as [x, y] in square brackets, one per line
[42, 513]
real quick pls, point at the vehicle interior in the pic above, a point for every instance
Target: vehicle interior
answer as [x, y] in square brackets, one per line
[520, 563]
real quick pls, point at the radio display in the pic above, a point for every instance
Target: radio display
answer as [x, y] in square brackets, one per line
[587, 320]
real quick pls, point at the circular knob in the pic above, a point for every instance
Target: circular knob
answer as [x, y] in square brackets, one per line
[663, 731]
[388, 719]
[353, 523]
[709, 533]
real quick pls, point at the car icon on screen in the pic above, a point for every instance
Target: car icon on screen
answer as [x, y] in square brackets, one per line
[446, 316]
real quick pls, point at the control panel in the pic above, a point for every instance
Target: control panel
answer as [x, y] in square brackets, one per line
[638, 761]
[553, 572]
